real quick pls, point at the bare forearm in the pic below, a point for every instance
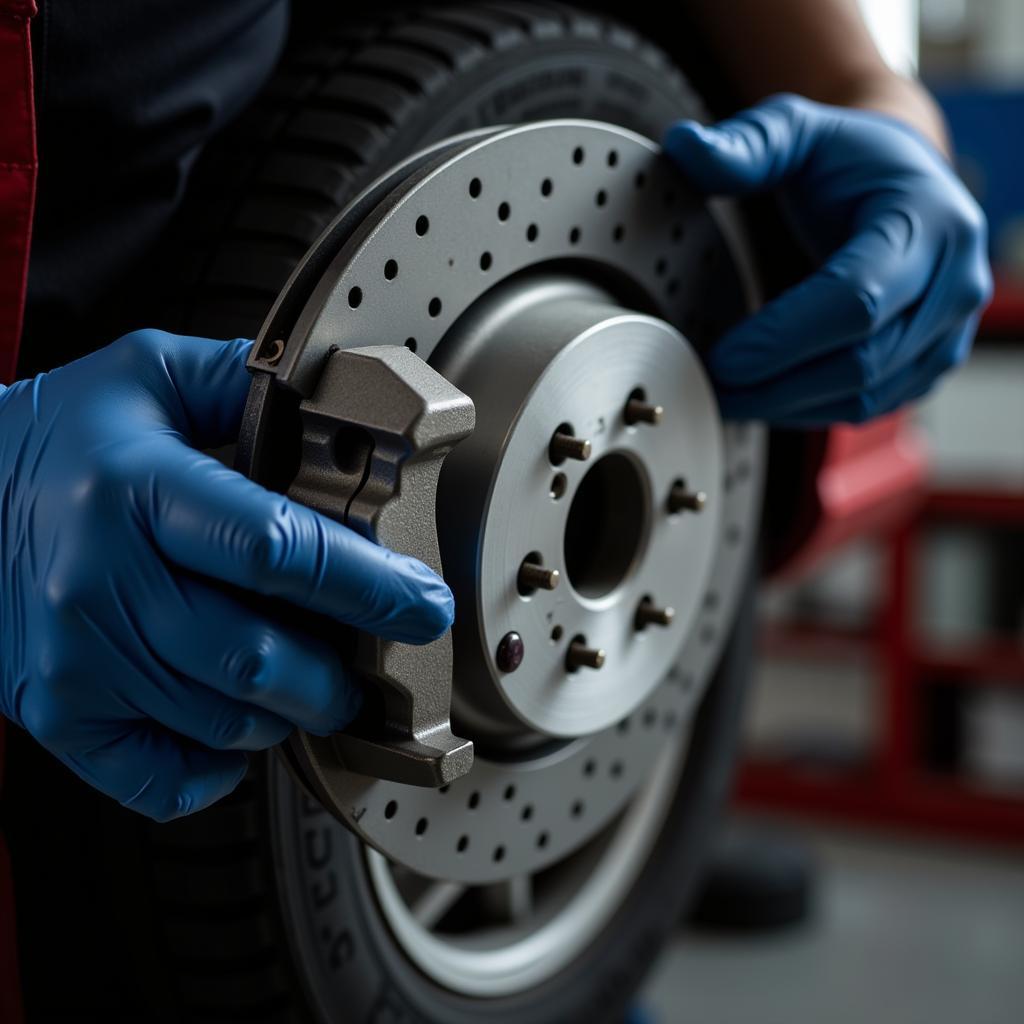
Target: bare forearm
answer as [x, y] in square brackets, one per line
[821, 49]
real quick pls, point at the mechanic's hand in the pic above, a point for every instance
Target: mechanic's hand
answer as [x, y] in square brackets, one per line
[129, 646]
[902, 244]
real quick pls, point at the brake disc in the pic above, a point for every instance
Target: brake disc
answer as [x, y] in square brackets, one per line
[596, 524]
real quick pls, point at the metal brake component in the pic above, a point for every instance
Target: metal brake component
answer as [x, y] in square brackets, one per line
[375, 434]
[596, 528]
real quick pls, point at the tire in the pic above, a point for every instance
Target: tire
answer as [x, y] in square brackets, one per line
[204, 909]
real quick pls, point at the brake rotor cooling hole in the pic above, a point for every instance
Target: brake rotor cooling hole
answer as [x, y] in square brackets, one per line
[574, 236]
[434, 307]
[504, 211]
[463, 844]
[531, 233]
[607, 525]
[391, 270]
[390, 810]
[421, 826]
[355, 297]
[577, 155]
[422, 225]
[556, 634]
[475, 188]
[485, 261]
[559, 482]
[546, 187]
[410, 344]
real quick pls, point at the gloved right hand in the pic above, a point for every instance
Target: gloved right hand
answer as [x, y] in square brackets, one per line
[133, 644]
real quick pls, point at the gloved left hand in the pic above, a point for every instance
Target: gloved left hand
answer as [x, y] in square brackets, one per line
[902, 244]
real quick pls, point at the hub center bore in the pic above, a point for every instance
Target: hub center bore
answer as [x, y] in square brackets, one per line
[607, 525]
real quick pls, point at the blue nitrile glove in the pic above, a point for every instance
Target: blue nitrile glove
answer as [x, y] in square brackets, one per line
[902, 247]
[132, 643]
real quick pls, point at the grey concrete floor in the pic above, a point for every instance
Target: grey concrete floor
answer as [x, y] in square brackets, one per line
[905, 932]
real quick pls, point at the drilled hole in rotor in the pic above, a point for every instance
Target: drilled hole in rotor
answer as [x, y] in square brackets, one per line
[606, 527]
[355, 297]
[546, 187]
[589, 767]
[650, 718]
[616, 769]
[661, 266]
[474, 800]
[410, 344]
[577, 155]
[601, 198]
[613, 157]
[499, 854]
[527, 812]
[619, 233]
[463, 844]
[542, 840]
[510, 792]
[421, 826]
[504, 212]
[640, 180]
[485, 261]
[531, 233]
[557, 633]
[475, 188]
[391, 270]
[623, 726]
[444, 789]
[574, 236]
[422, 225]
[559, 483]
[577, 809]
[434, 307]
[391, 810]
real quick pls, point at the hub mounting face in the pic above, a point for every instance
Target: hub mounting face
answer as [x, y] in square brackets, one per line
[596, 526]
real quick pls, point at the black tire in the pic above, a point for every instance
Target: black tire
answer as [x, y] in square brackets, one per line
[197, 903]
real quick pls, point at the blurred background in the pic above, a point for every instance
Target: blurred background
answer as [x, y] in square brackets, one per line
[885, 735]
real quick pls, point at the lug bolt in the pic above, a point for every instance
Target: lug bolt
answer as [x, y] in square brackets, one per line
[638, 411]
[566, 446]
[510, 652]
[649, 614]
[535, 577]
[581, 656]
[680, 498]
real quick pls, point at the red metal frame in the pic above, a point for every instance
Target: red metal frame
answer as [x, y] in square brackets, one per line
[893, 786]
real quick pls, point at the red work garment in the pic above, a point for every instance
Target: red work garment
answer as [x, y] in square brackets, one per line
[18, 167]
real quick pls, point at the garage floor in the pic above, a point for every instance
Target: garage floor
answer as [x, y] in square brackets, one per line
[904, 933]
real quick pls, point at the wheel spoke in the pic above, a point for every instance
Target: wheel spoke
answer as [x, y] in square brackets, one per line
[520, 897]
[435, 902]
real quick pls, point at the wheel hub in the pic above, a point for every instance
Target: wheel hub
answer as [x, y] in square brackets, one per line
[554, 272]
[548, 359]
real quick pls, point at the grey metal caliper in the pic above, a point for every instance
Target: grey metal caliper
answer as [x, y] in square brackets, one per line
[375, 433]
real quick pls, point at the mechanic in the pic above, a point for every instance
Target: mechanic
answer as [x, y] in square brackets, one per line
[145, 638]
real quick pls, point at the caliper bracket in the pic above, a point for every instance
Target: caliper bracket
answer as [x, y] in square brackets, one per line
[375, 433]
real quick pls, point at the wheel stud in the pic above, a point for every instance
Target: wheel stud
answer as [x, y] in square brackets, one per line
[639, 411]
[566, 446]
[681, 499]
[535, 577]
[581, 656]
[649, 614]
[511, 650]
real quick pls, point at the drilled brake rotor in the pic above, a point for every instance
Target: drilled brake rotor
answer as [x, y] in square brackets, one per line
[553, 272]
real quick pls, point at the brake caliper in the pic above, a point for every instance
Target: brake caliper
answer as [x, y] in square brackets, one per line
[375, 433]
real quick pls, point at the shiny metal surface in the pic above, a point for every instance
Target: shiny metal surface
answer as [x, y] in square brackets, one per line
[662, 266]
